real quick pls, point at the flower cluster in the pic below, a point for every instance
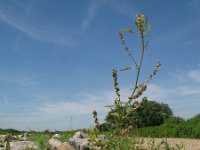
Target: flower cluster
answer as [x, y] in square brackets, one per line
[142, 87]
[140, 91]
[123, 41]
[96, 120]
[154, 72]
[126, 48]
[140, 22]
[114, 75]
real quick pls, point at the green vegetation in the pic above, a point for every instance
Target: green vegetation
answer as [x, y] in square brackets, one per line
[121, 116]
[143, 118]
[64, 136]
[183, 129]
[172, 127]
[8, 143]
[41, 138]
[174, 119]
[122, 110]
[10, 131]
[150, 113]
[155, 120]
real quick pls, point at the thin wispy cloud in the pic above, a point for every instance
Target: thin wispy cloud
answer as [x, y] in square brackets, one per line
[93, 7]
[176, 97]
[54, 112]
[191, 42]
[195, 74]
[171, 36]
[124, 8]
[28, 11]
[26, 81]
[180, 96]
[57, 113]
[34, 32]
[84, 104]
[156, 92]
[187, 90]
[184, 33]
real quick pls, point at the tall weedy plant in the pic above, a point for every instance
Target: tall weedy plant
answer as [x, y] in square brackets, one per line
[122, 110]
[8, 142]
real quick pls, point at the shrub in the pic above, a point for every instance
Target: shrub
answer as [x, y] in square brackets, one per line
[174, 119]
[186, 129]
[105, 127]
[150, 113]
[10, 131]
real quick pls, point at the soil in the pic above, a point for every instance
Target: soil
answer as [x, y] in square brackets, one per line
[188, 144]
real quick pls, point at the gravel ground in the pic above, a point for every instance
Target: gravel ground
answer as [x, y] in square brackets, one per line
[189, 144]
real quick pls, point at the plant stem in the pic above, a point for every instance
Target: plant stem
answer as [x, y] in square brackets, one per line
[131, 56]
[139, 68]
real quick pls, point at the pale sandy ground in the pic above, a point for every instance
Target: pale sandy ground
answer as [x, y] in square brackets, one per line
[189, 144]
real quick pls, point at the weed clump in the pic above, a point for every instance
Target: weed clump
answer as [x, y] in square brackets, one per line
[119, 137]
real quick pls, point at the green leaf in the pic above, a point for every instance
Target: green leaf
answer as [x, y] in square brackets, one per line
[149, 28]
[115, 114]
[126, 30]
[110, 106]
[127, 67]
[136, 24]
[146, 22]
[128, 109]
[147, 19]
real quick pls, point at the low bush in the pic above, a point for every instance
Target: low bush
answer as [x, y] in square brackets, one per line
[174, 119]
[10, 131]
[175, 127]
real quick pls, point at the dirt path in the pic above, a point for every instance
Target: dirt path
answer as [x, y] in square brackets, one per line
[189, 144]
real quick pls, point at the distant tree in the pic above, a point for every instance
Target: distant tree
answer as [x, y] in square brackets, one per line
[150, 113]
[174, 120]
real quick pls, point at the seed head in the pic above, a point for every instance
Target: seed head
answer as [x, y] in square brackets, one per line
[94, 114]
[96, 120]
[114, 75]
[140, 22]
[154, 72]
[140, 91]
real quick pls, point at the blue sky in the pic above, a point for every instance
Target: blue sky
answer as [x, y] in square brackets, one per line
[56, 59]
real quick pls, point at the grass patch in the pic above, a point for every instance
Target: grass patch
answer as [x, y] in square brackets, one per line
[187, 129]
[41, 139]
